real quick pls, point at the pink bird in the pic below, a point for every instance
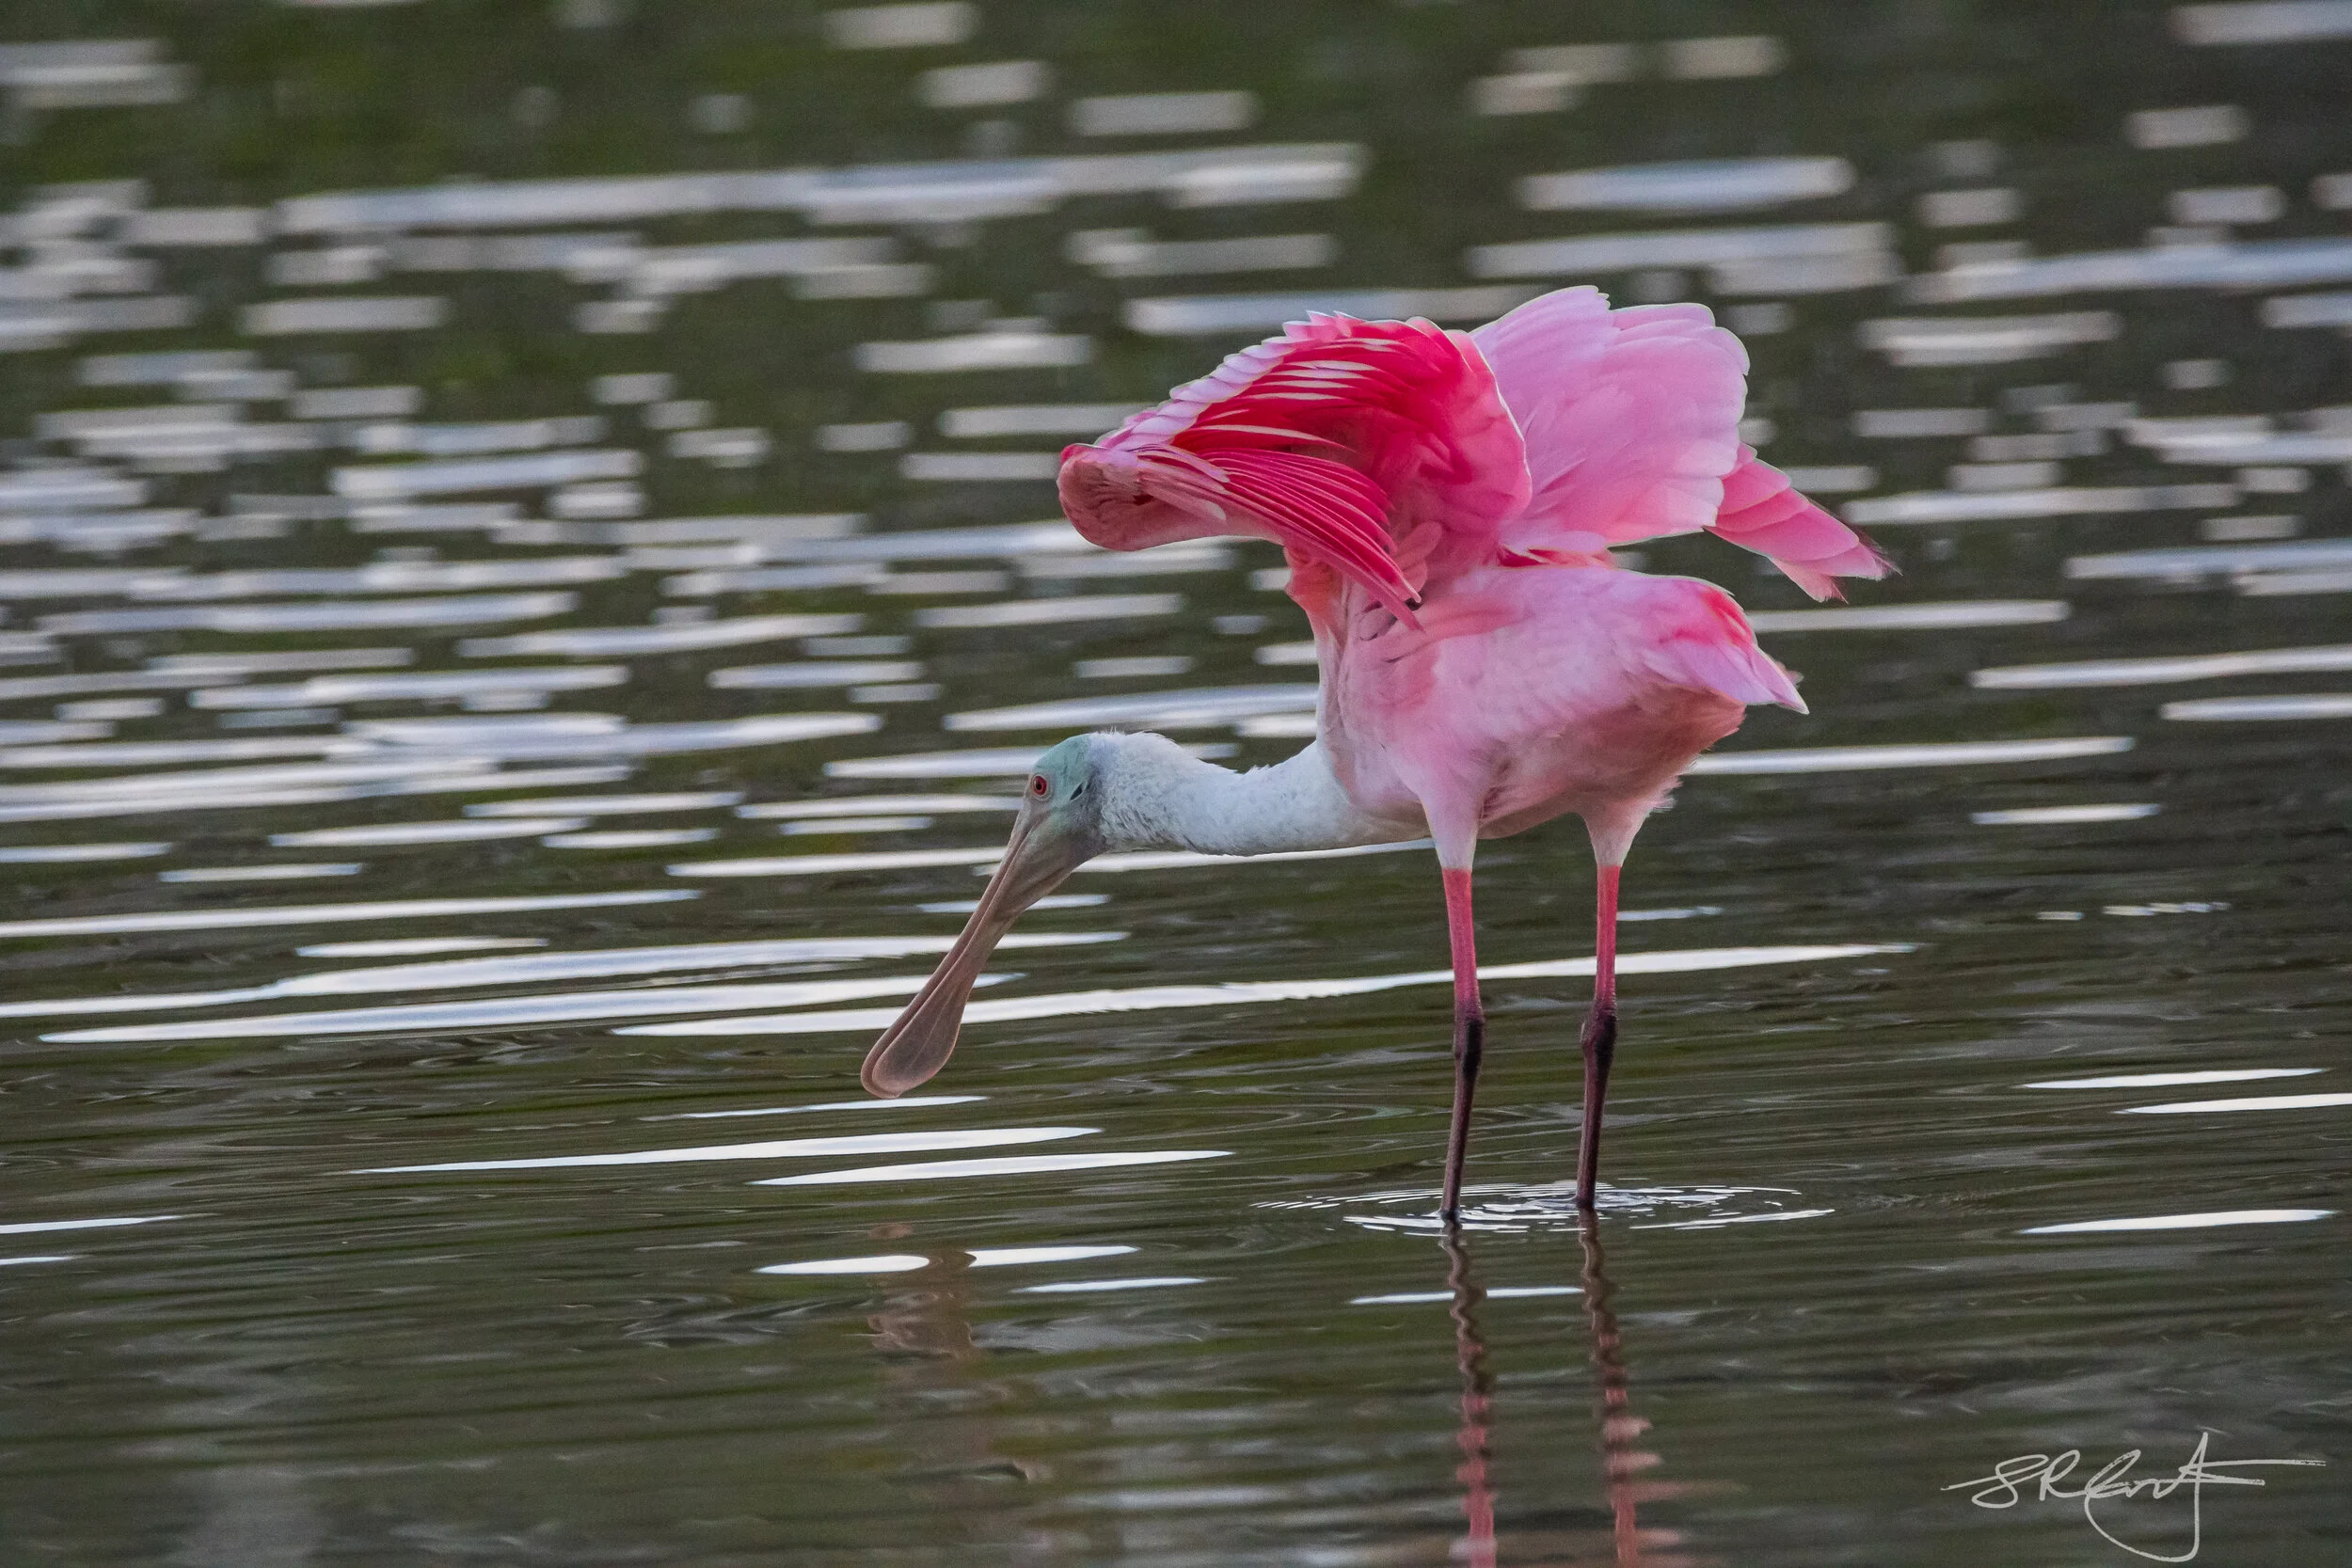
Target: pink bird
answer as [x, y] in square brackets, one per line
[1447, 501]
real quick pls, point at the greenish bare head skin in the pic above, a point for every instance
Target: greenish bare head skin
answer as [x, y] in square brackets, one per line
[1063, 790]
[1056, 829]
[1068, 768]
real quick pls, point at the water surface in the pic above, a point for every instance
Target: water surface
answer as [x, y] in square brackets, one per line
[531, 574]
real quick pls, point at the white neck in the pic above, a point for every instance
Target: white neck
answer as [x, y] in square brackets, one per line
[1156, 796]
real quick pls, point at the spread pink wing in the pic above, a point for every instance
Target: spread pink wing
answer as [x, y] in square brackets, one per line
[1380, 450]
[1631, 421]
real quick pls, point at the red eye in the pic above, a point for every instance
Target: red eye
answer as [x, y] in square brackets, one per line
[1037, 786]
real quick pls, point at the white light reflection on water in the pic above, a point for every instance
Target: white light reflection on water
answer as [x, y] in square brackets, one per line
[1246, 993]
[312, 914]
[1492, 1293]
[2151, 671]
[889, 1262]
[847, 1145]
[598, 962]
[1010, 1164]
[509, 1012]
[421, 686]
[819, 865]
[407, 947]
[544, 967]
[631, 838]
[2261, 1102]
[2168, 1080]
[606, 805]
[893, 860]
[2261, 585]
[384, 576]
[598, 641]
[902, 1103]
[853, 825]
[602, 963]
[151, 753]
[1206, 706]
[2239, 265]
[1715, 1222]
[30, 1226]
[243, 788]
[1706, 185]
[1803, 759]
[810, 674]
[337, 615]
[871, 805]
[996, 1257]
[1920, 507]
[976, 764]
[290, 872]
[2302, 705]
[2199, 560]
[18, 732]
[1912, 617]
[2183, 1222]
[1051, 613]
[1713, 246]
[1051, 901]
[392, 834]
[2046, 816]
[978, 1257]
[601, 735]
[1077, 1286]
[2264, 21]
[1171, 859]
[71, 854]
[1948, 753]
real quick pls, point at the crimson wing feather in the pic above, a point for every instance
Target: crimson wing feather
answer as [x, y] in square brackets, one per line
[1379, 450]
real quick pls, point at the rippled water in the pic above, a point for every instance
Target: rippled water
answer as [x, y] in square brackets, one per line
[513, 684]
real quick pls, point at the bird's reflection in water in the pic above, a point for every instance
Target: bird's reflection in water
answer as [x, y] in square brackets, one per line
[1622, 1460]
[924, 1320]
[923, 1335]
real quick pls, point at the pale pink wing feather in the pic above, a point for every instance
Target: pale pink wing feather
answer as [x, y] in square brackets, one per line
[1379, 450]
[1631, 421]
[1763, 513]
[1630, 418]
[1700, 638]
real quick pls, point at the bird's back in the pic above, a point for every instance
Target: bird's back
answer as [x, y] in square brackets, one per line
[1541, 690]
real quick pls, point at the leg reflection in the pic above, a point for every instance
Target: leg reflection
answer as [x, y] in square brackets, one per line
[932, 1388]
[1477, 1547]
[1619, 1460]
[1623, 1460]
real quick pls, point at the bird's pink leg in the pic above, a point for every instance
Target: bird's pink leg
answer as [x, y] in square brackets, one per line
[1470, 1033]
[1600, 1034]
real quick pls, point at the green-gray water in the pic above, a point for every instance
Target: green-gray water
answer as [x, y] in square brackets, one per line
[1979, 1093]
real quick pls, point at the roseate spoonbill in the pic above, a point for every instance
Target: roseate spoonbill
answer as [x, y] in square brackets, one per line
[1447, 501]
